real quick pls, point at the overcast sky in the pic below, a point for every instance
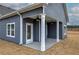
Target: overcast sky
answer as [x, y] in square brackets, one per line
[72, 8]
[73, 13]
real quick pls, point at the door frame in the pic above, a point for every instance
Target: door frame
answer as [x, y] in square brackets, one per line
[31, 40]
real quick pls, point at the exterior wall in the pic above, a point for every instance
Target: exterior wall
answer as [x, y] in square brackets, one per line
[24, 28]
[35, 23]
[52, 10]
[60, 30]
[16, 19]
[33, 12]
[35, 29]
[17, 29]
[56, 11]
[52, 30]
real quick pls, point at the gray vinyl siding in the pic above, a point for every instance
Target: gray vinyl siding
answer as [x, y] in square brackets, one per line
[17, 29]
[16, 19]
[60, 30]
[35, 29]
[24, 28]
[33, 12]
[35, 23]
[56, 11]
[52, 27]
[51, 30]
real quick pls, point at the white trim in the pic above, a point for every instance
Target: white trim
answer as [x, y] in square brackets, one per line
[7, 29]
[10, 29]
[62, 30]
[21, 29]
[46, 30]
[39, 31]
[43, 9]
[31, 40]
[57, 31]
[43, 32]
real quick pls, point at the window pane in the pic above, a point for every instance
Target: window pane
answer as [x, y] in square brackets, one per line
[12, 30]
[12, 26]
[28, 32]
[12, 33]
[8, 26]
[8, 32]
[8, 29]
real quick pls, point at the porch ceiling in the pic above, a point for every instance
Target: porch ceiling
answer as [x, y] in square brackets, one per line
[34, 16]
[49, 19]
[38, 16]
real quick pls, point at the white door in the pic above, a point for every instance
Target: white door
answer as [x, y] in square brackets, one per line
[29, 33]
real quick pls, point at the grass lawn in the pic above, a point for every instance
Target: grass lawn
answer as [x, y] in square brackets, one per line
[64, 47]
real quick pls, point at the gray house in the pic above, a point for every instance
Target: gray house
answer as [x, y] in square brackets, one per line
[38, 25]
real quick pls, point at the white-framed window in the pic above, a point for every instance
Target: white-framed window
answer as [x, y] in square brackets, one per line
[10, 29]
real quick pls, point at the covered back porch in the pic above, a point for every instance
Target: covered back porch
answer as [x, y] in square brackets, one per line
[41, 32]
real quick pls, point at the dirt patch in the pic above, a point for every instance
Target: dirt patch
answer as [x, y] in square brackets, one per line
[67, 46]
[10, 48]
[64, 47]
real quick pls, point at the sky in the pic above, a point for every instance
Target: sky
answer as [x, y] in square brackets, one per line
[73, 13]
[72, 8]
[15, 6]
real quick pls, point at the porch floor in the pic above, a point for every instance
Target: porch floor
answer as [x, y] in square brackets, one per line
[37, 45]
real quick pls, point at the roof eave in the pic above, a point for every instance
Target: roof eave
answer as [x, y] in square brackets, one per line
[27, 8]
[65, 12]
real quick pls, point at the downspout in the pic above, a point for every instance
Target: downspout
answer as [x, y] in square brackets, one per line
[21, 28]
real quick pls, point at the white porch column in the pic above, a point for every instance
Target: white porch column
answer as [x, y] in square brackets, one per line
[43, 32]
[21, 30]
[57, 31]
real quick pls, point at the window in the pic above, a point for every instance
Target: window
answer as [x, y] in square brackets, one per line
[65, 29]
[10, 29]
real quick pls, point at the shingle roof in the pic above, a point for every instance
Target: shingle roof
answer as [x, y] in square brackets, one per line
[5, 10]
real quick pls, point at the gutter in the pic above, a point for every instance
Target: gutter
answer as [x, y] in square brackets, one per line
[21, 28]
